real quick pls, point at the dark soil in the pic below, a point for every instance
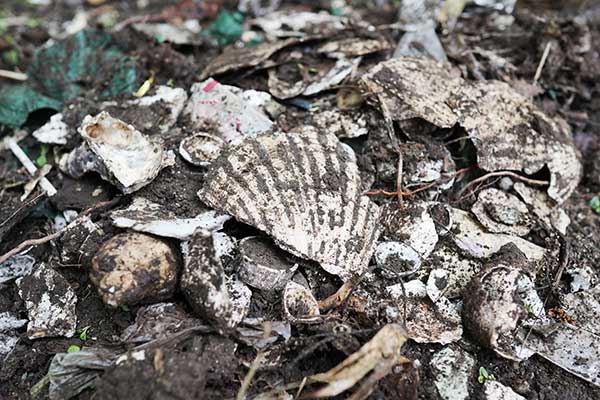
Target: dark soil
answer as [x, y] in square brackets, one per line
[212, 366]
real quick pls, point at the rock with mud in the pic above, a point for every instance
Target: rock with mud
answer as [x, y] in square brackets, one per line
[453, 370]
[206, 287]
[494, 390]
[302, 189]
[50, 302]
[133, 268]
[412, 225]
[80, 242]
[262, 265]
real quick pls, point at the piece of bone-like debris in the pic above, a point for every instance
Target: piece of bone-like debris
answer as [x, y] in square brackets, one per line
[304, 191]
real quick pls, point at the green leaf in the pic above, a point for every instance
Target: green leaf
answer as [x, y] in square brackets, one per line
[83, 333]
[73, 348]
[595, 204]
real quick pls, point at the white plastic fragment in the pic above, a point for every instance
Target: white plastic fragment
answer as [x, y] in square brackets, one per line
[185, 34]
[470, 237]
[50, 303]
[297, 24]
[214, 108]
[452, 368]
[22, 157]
[143, 215]
[54, 131]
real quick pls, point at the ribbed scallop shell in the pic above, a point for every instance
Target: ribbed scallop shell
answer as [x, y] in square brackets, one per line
[304, 190]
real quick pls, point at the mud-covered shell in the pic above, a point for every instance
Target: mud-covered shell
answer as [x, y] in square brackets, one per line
[262, 265]
[132, 159]
[299, 304]
[201, 149]
[133, 268]
[501, 212]
[304, 191]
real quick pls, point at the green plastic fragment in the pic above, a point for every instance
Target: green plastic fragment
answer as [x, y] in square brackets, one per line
[595, 204]
[90, 59]
[16, 102]
[227, 27]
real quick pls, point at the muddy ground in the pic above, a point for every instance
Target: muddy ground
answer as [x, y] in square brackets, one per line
[209, 366]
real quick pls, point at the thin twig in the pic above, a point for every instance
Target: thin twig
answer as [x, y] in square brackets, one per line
[538, 72]
[429, 185]
[501, 173]
[57, 234]
[241, 395]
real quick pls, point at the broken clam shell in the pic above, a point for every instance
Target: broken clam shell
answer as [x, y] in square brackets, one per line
[304, 191]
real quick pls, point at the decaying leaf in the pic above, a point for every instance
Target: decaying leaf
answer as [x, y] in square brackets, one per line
[304, 191]
[246, 57]
[377, 357]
